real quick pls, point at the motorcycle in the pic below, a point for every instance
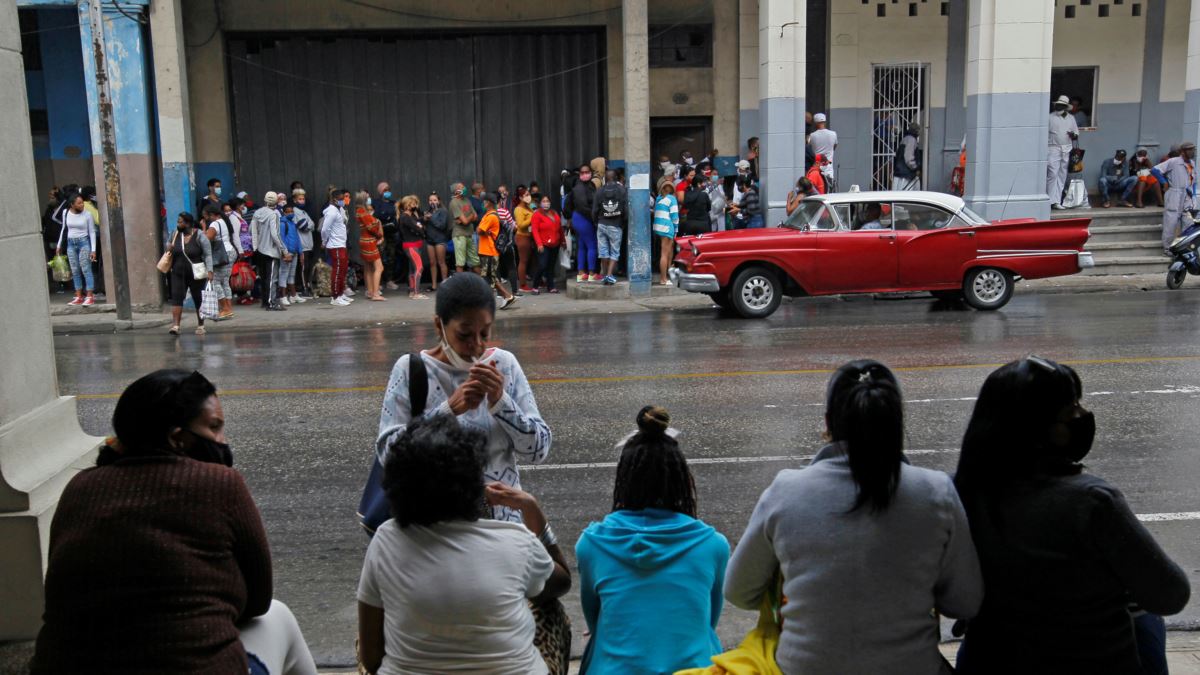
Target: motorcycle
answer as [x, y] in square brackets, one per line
[1184, 256]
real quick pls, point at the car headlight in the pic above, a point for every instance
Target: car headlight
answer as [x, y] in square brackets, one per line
[695, 251]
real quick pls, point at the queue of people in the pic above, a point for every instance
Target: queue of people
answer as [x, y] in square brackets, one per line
[858, 555]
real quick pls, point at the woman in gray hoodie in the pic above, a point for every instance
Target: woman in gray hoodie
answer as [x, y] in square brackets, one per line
[869, 547]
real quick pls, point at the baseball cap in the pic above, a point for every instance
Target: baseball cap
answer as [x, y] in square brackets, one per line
[820, 117]
[743, 164]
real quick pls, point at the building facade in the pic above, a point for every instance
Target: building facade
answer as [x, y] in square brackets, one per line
[352, 92]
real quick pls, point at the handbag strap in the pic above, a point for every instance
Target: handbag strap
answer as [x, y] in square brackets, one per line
[418, 385]
[183, 248]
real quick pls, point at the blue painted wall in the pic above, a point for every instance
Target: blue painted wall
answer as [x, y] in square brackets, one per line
[64, 87]
[130, 85]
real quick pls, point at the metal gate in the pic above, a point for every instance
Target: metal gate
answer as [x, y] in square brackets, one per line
[420, 110]
[898, 100]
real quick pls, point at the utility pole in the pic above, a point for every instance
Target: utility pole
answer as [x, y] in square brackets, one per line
[112, 175]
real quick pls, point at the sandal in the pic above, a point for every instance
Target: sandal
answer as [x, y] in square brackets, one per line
[418, 296]
[174, 330]
[200, 330]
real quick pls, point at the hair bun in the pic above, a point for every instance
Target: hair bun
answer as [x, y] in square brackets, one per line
[653, 421]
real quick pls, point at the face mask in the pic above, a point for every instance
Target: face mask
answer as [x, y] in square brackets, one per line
[368, 201]
[1083, 433]
[387, 195]
[217, 191]
[183, 228]
[299, 202]
[456, 360]
[207, 450]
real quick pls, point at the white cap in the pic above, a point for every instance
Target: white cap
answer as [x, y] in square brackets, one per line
[820, 117]
[743, 164]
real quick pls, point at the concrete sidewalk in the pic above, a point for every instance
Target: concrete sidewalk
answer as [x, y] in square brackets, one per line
[1183, 655]
[398, 310]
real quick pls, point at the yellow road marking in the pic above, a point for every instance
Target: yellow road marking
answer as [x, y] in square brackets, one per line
[691, 376]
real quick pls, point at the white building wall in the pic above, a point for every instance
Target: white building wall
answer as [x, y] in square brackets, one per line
[748, 120]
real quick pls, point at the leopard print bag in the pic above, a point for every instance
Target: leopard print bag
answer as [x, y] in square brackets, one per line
[553, 635]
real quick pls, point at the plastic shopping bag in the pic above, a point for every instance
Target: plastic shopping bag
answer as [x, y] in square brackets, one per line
[208, 302]
[60, 268]
[564, 252]
[1076, 195]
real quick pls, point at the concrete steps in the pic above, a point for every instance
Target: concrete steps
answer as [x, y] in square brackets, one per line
[1124, 241]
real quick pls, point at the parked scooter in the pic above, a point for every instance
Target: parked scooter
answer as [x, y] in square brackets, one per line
[1184, 255]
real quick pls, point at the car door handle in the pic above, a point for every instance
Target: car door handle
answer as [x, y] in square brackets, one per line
[968, 233]
[887, 236]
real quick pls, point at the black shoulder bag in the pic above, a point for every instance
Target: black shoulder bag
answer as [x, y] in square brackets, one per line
[373, 508]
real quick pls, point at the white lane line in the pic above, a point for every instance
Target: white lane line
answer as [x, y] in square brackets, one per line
[1166, 517]
[715, 460]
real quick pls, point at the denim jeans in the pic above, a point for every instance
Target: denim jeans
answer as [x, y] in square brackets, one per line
[755, 222]
[79, 254]
[547, 267]
[1110, 184]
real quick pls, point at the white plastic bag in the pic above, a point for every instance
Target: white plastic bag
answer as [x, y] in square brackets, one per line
[564, 251]
[1076, 195]
[208, 302]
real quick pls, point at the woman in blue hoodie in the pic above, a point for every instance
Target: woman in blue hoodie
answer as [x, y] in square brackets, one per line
[651, 573]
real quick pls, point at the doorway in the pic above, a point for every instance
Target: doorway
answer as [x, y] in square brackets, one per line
[670, 136]
[899, 99]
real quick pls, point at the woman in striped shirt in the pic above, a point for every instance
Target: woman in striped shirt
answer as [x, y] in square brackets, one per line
[666, 223]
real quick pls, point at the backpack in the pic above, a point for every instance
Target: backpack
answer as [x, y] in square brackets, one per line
[241, 277]
[373, 508]
[506, 236]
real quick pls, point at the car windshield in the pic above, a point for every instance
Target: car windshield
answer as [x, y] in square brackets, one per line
[803, 215]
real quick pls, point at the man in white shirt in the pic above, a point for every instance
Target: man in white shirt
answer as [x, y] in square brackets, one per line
[824, 141]
[333, 236]
[1063, 132]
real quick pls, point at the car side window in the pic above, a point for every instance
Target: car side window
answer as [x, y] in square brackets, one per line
[843, 215]
[923, 217]
[870, 216]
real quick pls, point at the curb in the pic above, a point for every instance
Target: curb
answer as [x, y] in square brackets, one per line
[102, 327]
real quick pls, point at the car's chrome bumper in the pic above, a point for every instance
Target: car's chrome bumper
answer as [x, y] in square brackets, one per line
[696, 283]
[1086, 260]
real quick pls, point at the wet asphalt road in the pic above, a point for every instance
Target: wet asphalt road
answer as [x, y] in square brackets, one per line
[747, 395]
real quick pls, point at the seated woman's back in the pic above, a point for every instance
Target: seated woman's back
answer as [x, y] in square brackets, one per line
[651, 573]
[868, 545]
[1062, 554]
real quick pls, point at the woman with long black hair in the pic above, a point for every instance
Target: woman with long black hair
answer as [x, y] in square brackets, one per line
[867, 544]
[1074, 582]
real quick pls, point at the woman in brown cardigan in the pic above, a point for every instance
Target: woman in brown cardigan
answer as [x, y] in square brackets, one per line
[158, 558]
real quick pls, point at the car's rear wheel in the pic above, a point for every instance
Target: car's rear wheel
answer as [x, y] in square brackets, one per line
[988, 288]
[756, 293]
[722, 299]
[1175, 278]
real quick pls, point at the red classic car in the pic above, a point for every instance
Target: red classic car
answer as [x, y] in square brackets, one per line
[879, 242]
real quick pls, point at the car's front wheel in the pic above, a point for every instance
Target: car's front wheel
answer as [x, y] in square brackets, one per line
[756, 293]
[988, 288]
[722, 299]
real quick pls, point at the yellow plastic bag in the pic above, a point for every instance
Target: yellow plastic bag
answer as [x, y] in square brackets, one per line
[756, 654]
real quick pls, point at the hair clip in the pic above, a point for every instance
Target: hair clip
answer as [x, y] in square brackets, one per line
[864, 376]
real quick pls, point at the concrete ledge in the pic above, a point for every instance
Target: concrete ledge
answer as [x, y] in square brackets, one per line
[92, 323]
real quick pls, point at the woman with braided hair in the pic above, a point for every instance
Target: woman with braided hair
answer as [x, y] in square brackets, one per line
[868, 545]
[651, 572]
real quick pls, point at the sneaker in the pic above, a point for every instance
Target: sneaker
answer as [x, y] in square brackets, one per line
[343, 301]
[596, 277]
[296, 300]
[278, 307]
[174, 330]
[393, 286]
[580, 278]
[89, 301]
[528, 289]
[553, 291]
[349, 292]
[505, 303]
[535, 291]
[610, 280]
[284, 301]
[78, 300]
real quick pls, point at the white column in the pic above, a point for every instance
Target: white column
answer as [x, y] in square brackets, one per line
[781, 43]
[725, 86]
[1191, 101]
[1009, 52]
[41, 444]
[174, 123]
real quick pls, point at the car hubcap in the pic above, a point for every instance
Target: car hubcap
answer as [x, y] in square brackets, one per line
[757, 292]
[990, 286]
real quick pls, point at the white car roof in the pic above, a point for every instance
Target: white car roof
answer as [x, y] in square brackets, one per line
[947, 201]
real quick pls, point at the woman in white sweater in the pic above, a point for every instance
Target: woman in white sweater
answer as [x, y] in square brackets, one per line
[78, 235]
[869, 547]
[484, 388]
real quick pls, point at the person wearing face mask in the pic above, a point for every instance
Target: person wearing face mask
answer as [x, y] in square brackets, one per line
[547, 230]
[579, 207]
[333, 237]
[158, 558]
[484, 388]
[268, 250]
[1074, 582]
[463, 216]
[526, 252]
[437, 235]
[370, 243]
[1063, 132]
[1178, 176]
[188, 247]
[212, 197]
[305, 226]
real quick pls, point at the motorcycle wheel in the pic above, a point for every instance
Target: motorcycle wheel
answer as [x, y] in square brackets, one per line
[1175, 278]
